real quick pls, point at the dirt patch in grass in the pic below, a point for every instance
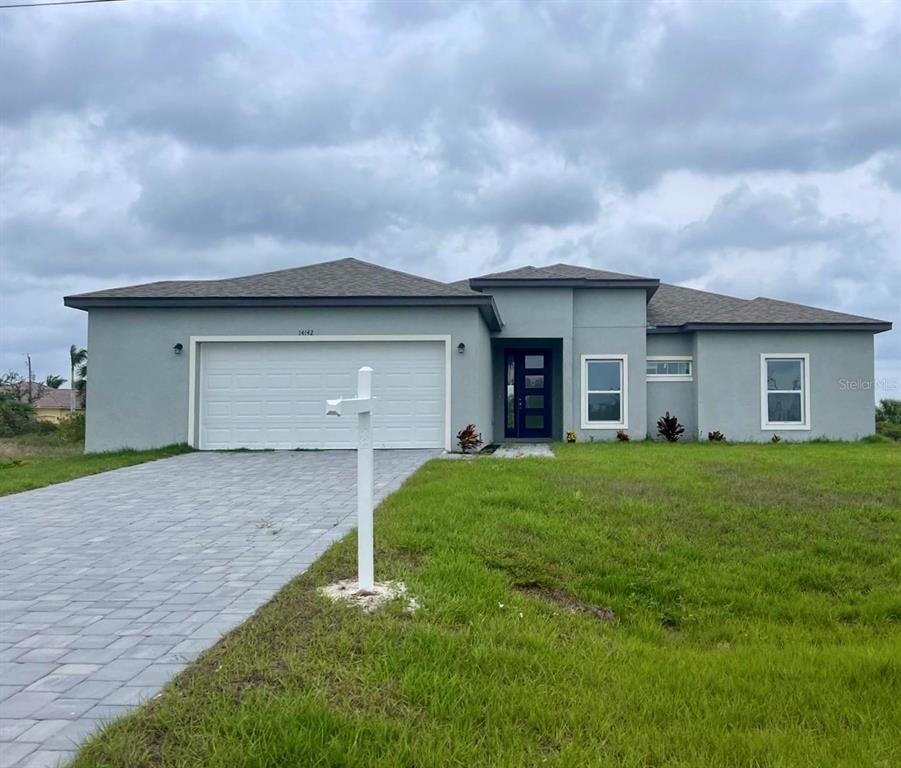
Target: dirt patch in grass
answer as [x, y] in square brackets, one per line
[569, 603]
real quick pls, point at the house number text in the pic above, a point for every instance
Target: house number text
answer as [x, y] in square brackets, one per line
[305, 332]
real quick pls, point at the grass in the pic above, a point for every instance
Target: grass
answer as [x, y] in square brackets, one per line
[34, 461]
[621, 605]
[35, 445]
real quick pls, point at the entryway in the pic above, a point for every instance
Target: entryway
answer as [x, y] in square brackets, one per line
[528, 375]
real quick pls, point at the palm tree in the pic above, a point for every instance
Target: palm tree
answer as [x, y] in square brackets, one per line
[81, 383]
[53, 381]
[78, 360]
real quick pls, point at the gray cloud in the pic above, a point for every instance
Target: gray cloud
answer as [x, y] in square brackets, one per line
[635, 89]
[209, 197]
[142, 141]
[764, 220]
[889, 171]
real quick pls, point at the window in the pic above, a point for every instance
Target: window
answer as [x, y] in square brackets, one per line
[604, 396]
[673, 368]
[785, 391]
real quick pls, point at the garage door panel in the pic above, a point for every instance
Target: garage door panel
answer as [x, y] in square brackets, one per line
[272, 394]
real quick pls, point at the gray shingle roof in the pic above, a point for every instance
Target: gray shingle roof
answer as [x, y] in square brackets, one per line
[673, 305]
[341, 278]
[559, 272]
[351, 281]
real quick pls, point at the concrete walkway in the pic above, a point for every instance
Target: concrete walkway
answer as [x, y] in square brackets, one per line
[111, 584]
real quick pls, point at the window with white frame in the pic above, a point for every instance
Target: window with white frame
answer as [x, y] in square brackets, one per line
[604, 395]
[672, 368]
[785, 391]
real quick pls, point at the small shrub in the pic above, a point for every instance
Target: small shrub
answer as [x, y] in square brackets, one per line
[16, 417]
[71, 427]
[570, 437]
[716, 436]
[623, 436]
[776, 439]
[876, 439]
[468, 438]
[888, 429]
[669, 428]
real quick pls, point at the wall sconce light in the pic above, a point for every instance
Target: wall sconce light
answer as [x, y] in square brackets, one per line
[461, 347]
[178, 348]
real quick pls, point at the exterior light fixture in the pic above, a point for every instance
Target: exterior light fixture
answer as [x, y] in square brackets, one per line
[461, 347]
[178, 348]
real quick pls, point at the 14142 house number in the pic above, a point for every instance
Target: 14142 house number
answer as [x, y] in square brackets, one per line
[305, 332]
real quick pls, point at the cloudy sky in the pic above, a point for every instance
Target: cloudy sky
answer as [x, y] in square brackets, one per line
[752, 149]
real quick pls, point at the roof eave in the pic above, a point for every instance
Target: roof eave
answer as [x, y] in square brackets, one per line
[876, 326]
[485, 304]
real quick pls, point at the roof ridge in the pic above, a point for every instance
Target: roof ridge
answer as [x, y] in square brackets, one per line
[344, 260]
[395, 271]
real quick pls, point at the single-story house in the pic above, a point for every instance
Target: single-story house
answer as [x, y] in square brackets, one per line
[53, 405]
[527, 354]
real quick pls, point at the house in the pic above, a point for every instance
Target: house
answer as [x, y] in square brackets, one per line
[53, 404]
[528, 354]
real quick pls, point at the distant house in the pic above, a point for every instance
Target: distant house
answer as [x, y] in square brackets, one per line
[53, 404]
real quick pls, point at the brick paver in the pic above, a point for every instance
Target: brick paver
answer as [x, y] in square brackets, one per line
[111, 584]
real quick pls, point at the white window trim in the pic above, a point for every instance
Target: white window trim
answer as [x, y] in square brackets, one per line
[667, 376]
[777, 426]
[624, 395]
[194, 359]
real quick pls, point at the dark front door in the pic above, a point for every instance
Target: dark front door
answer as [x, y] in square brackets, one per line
[528, 393]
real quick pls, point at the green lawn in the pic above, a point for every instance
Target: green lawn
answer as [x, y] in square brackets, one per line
[756, 603]
[33, 462]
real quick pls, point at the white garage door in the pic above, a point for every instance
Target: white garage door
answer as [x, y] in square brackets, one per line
[272, 394]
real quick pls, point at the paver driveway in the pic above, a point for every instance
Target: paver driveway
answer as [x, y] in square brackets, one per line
[110, 584]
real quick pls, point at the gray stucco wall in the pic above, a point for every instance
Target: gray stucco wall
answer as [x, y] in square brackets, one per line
[727, 376]
[611, 322]
[587, 321]
[536, 314]
[677, 397]
[139, 389]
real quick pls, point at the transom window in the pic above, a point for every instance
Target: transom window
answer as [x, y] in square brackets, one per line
[669, 368]
[604, 391]
[785, 391]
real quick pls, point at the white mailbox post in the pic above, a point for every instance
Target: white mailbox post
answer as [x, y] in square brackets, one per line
[361, 405]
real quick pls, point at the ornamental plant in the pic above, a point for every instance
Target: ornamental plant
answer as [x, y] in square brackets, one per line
[669, 428]
[468, 438]
[623, 436]
[716, 436]
[570, 437]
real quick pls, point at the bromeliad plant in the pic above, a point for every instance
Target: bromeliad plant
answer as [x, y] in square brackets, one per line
[623, 436]
[669, 428]
[716, 436]
[468, 438]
